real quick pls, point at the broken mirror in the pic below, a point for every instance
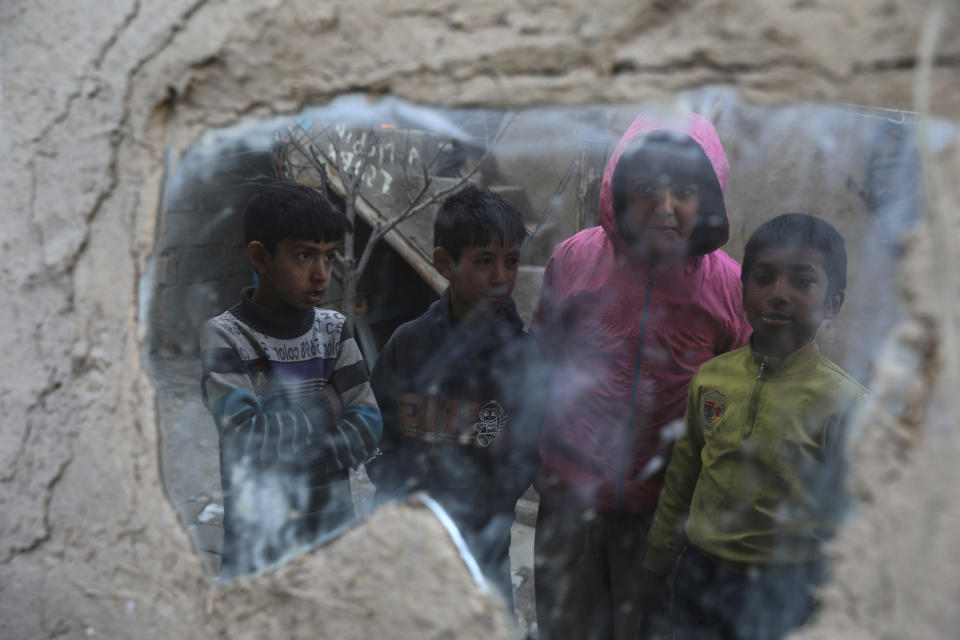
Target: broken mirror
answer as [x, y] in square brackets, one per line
[606, 374]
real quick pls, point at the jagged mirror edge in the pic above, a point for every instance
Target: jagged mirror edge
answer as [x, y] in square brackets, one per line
[855, 166]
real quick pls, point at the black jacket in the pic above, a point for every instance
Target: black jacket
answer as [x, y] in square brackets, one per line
[462, 407]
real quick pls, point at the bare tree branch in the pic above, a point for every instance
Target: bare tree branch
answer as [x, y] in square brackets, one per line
[334, 142]
[403, 163]
[368, 143]
[350, 170]
[416, 206]
[298, 145]
[313, 156]
[427, 181]
[436, 156]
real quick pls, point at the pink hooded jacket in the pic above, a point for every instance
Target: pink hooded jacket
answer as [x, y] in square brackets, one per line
[624, 338]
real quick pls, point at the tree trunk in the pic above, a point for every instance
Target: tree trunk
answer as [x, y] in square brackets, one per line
[348, 278]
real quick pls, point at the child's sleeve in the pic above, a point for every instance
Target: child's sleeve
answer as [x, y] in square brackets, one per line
[528, 382]
[546, 323]
[360, 422]
[385, 470]
[265, 431]
[666, 537]
[833, 488]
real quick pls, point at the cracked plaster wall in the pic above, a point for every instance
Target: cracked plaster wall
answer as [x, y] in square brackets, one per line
[98, 94]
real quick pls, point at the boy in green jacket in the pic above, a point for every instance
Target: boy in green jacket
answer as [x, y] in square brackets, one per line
[756, 480]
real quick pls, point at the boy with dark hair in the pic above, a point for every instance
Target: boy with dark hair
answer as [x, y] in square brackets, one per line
[287, 387]
[458, 386]
[756, 480]
[628, 311]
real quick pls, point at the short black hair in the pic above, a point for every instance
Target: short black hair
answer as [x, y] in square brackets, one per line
[472, 216]
[672, 154]
[288, 209]
[800, 230]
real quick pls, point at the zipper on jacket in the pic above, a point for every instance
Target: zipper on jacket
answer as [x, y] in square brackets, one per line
[755, 398]
[636, 385]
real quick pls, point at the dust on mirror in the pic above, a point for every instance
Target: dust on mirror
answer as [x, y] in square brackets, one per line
[538, 319]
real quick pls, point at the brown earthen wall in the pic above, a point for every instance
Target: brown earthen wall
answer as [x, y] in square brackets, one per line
[98, 96]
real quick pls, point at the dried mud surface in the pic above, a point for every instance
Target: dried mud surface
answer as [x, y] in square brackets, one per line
[97, 97]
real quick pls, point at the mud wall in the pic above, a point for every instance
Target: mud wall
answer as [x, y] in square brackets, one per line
[97, 97]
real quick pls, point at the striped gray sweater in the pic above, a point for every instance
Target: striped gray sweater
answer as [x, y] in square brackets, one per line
[289, 394]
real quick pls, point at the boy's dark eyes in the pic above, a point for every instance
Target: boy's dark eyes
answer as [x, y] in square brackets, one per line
[684, 191]
[486, 261]
[796, 281]
[307, 254]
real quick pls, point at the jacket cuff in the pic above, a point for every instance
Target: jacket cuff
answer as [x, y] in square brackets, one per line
[660, 561]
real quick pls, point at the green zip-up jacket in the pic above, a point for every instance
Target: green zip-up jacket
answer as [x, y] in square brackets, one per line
[758, 475]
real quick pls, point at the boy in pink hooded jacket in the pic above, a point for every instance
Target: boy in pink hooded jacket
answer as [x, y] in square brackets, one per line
[627, 313]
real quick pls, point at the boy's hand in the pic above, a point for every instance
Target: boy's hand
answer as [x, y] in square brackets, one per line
[339, 444]
[347, 447]
[301, 431]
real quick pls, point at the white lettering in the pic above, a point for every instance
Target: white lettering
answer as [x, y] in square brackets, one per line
[387, 181]
[359, 144]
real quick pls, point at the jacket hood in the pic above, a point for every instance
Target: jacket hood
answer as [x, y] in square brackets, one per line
[692, 124]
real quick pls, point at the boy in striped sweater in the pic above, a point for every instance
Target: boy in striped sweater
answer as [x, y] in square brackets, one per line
[287, 387]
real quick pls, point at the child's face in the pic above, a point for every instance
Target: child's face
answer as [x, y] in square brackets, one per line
[659, 216]
[296, 276]
[482, 279]
[785, 298]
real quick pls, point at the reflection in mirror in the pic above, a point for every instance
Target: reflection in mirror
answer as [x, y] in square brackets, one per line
[646, 220]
